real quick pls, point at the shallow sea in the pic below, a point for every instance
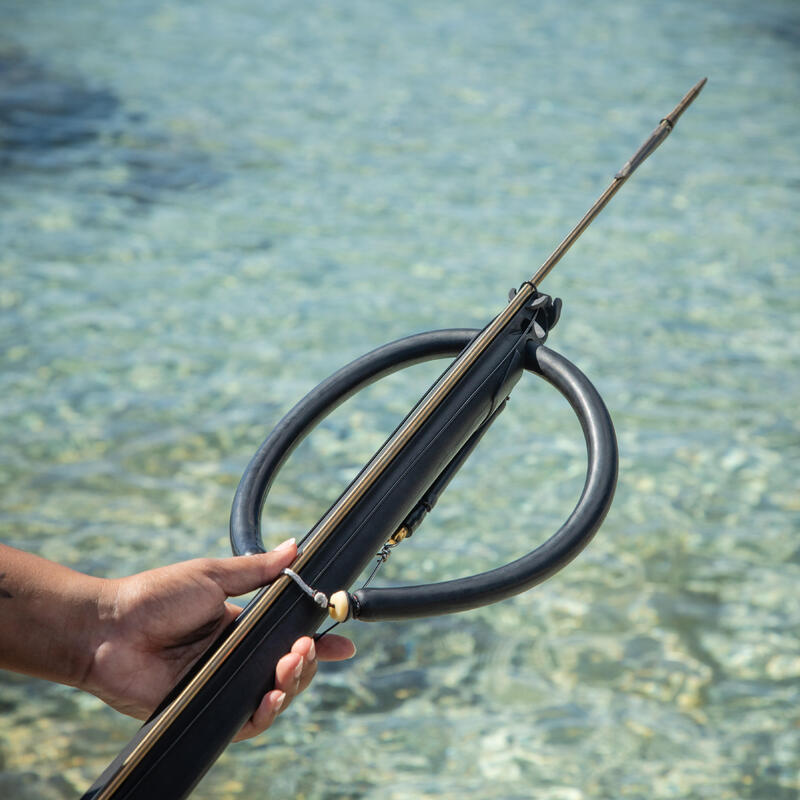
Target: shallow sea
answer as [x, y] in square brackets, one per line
[205, 208]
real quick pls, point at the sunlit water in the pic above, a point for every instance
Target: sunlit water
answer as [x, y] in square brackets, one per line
[207, 207]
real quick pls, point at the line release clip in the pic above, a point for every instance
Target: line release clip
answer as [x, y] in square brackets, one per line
[320, 598]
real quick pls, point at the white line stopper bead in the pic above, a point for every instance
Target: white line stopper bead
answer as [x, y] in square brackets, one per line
[339, 606]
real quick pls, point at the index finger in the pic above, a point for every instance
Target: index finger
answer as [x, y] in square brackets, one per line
[331, 647]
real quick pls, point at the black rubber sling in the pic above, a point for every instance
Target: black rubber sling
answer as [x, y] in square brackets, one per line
[476, 590]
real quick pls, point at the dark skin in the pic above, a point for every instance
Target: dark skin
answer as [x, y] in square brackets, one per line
[129, 640]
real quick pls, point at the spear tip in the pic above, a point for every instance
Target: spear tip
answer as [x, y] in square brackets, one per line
[688, 99]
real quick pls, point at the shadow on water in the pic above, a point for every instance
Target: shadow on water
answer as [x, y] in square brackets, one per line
[40, 111]
[56, 123]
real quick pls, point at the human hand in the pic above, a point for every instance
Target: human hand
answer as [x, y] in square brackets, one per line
[156, 623]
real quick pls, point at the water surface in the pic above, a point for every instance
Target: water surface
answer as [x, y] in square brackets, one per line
[205, 208]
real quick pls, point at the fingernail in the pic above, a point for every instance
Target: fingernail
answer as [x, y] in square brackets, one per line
[312, 652]
[298, 670]
[286, 545]
[276, 706]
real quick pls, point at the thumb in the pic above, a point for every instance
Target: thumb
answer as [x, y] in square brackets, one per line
[241, 574]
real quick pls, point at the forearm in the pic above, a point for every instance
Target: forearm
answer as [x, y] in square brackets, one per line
[49, 617]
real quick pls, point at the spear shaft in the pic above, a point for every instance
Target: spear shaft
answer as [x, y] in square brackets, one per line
[656, 137]
[480, 343]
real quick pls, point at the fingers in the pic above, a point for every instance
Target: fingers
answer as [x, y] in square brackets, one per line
[295, 670]
[242, 574]
[263, 716]
[334, 648]
[293, 674]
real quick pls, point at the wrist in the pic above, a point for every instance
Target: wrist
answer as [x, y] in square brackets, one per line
[100, 615]
[90, 614]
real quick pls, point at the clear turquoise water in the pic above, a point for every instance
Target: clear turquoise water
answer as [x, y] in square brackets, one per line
[224, 202]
